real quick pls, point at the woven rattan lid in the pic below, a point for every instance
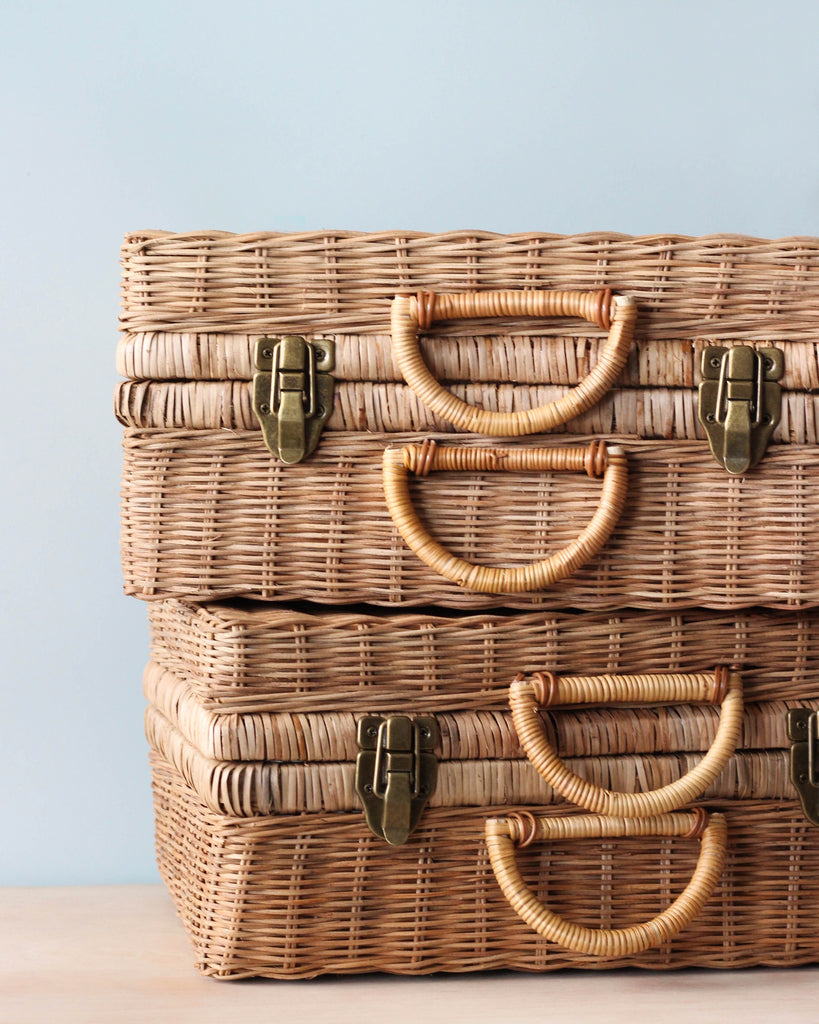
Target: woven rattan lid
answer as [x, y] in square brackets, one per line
[242, 656]
[463, 735]
[250, 788]
[287, 763]
[716, 286]
[194, 307]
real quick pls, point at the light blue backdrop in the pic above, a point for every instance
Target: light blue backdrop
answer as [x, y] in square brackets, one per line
[638, 117]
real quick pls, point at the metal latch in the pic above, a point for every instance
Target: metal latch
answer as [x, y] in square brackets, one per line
[395, 772]
[740, 402]
[293, 393]
[803, 732]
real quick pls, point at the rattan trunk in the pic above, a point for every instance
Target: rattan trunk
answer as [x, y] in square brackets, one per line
[505, 533]
[208, 513]
[262, 843]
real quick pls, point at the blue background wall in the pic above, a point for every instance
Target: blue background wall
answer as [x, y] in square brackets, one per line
[638, 117]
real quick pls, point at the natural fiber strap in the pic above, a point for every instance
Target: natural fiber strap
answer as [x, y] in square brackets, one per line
[503, 833]
[594, 459]
[722, 686]
[410, 313]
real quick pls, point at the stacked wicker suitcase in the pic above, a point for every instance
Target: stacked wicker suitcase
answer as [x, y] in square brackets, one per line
[482, 574]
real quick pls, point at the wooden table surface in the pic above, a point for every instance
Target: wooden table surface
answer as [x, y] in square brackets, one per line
[118, 954]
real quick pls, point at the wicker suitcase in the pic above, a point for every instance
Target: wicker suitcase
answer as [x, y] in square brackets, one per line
[663, 529]
[261, 839]
[253, 722]
[207, 512]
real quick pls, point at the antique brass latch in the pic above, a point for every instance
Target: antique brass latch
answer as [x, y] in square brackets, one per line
[293, 393]
[740, 402]
[803, 732]
[395, 772]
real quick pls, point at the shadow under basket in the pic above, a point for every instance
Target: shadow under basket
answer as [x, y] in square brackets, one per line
[287, 896]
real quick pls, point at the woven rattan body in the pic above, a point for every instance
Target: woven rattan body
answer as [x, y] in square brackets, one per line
[274, 792]
[207, 513]
[432, 550]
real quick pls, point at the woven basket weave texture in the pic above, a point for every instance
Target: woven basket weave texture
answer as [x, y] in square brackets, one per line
[716, 286]
[434, 904]
[209, 514]
[254, 704]
[193, 307]
[243, 658]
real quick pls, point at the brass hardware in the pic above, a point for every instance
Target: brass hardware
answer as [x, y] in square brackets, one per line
[803, 732]
[740, 402]
[293, 393]
[395, 772]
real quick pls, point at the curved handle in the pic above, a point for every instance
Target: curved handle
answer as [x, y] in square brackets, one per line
[411, 312]
[503, 834]
[544, 689]
[595, 459]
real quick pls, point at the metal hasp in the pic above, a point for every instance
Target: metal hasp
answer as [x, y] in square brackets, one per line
[740, 402]
[293, 393]
[395, 772]
[803, 732]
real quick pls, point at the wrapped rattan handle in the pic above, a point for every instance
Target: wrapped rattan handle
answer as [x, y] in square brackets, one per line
[409, 313]
[594, 459]
[544, 689]
[503, 834]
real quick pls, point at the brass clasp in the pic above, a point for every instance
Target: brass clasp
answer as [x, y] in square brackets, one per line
[803, 732]
[740, 402]
[293, 393]
[395, 772]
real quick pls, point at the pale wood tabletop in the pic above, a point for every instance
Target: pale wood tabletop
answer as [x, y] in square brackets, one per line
[118, 954]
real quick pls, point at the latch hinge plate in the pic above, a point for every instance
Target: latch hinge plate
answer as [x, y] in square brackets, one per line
[803, 732]
[740, 402]
[395, 772]
[293, 393]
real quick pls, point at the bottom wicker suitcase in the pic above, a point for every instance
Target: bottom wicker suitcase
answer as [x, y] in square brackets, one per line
[262, 841]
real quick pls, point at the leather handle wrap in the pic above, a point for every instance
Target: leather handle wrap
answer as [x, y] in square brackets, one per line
[527, 695]
[502, 835]
[594, 459]
[408, 313]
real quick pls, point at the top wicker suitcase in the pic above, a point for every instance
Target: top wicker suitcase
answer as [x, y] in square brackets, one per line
[209, 512]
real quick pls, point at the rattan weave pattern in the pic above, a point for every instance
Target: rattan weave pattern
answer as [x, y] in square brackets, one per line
[298, 736]
[258, 788]
[454, 356]
[652, 413]
[253, 892]
[715, 286]
[237, 657]
[194, 305]
[253, 708]
[208, 514]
